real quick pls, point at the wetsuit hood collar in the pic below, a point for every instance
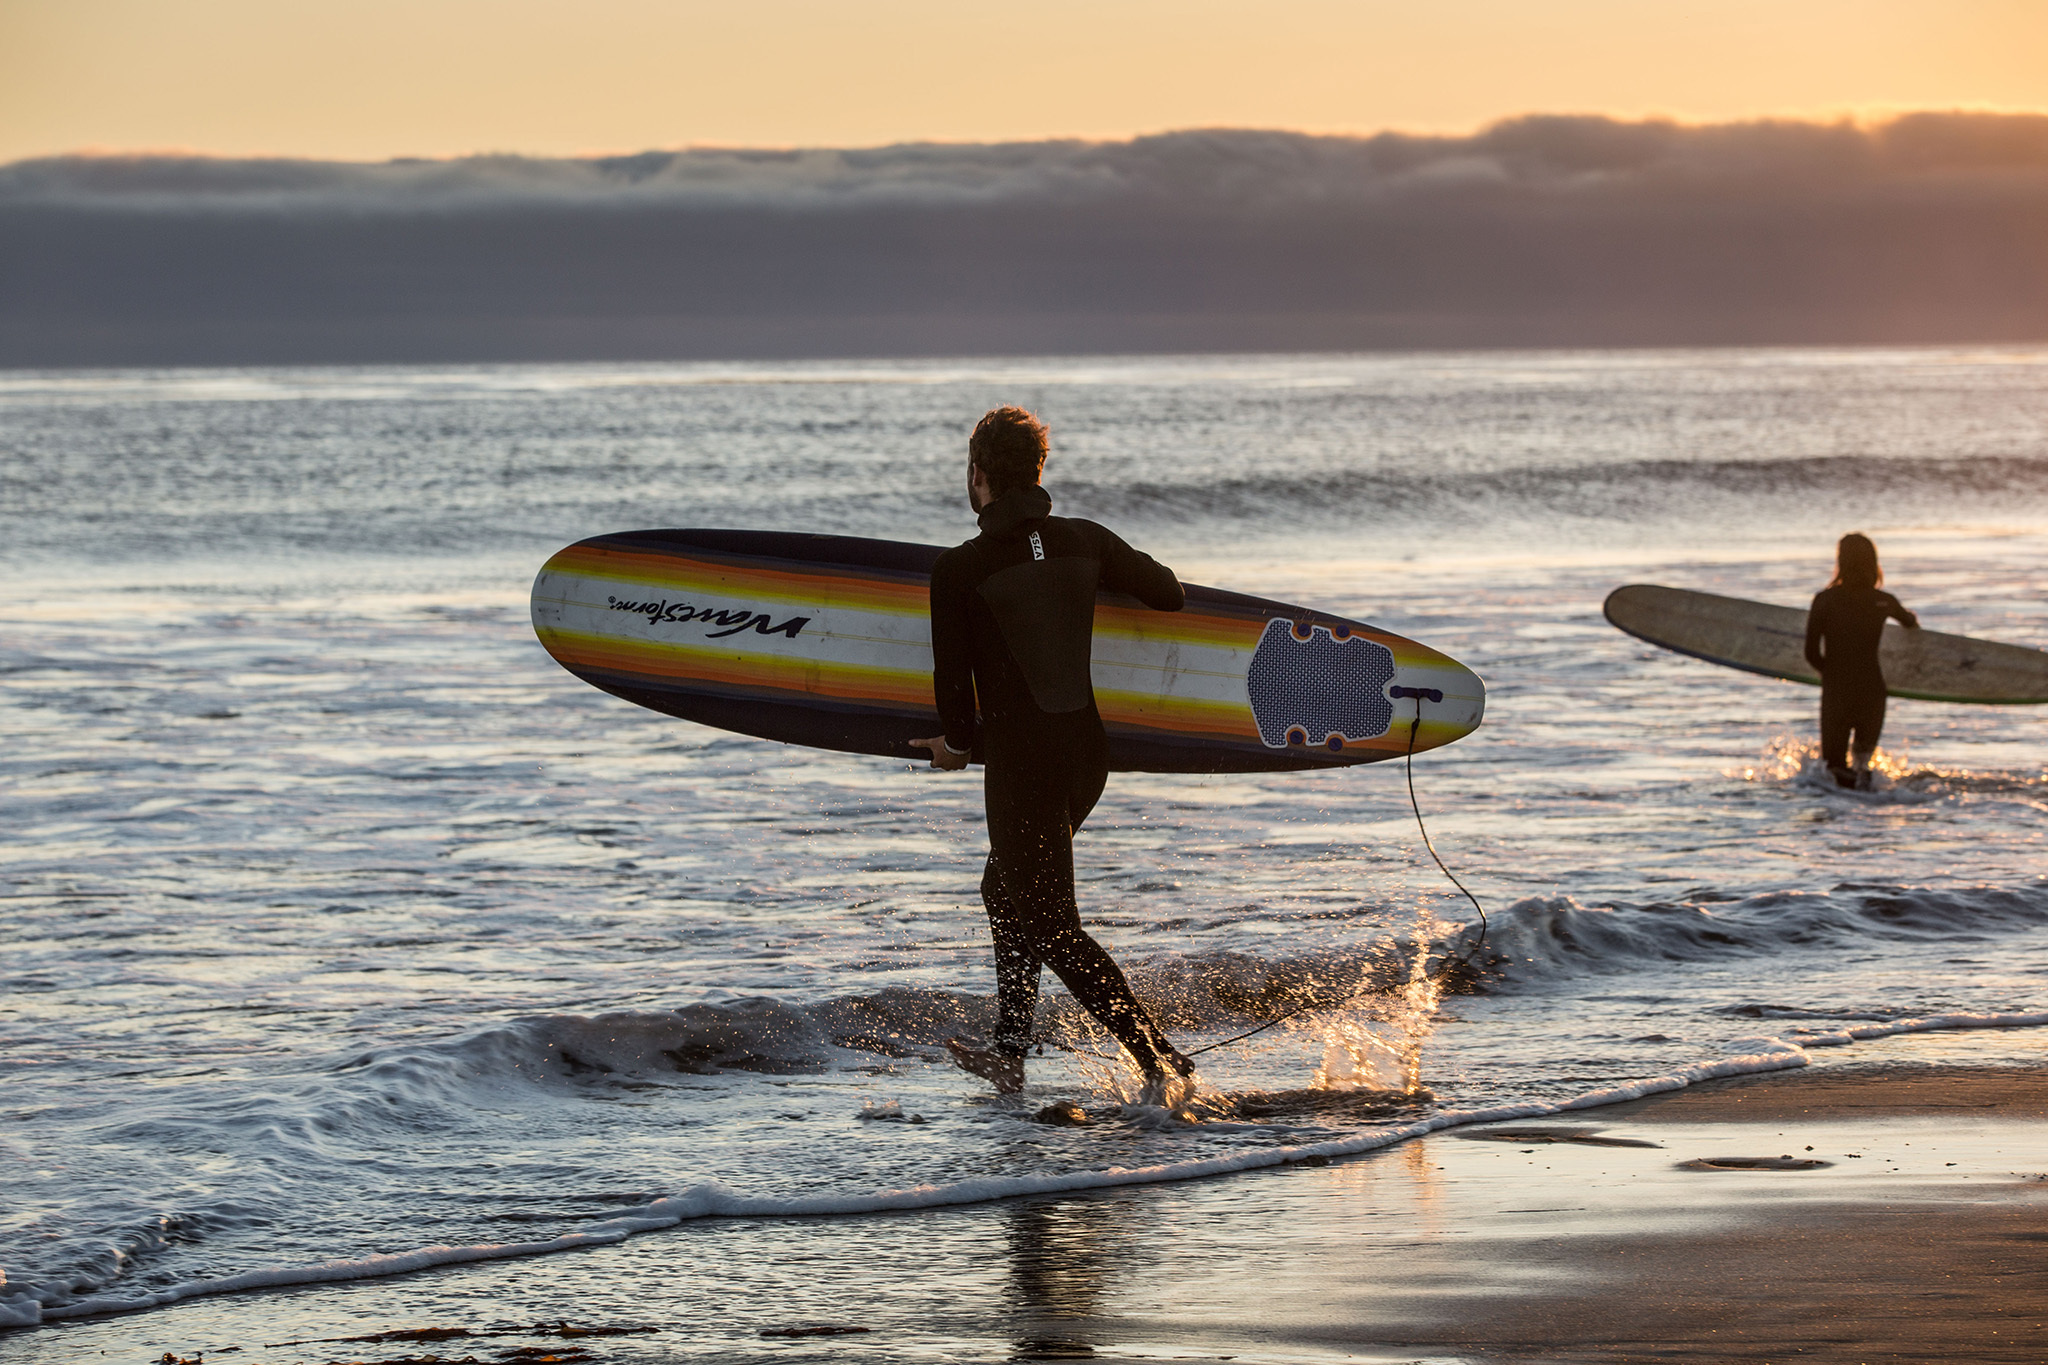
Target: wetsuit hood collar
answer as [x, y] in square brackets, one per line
[1016, 508]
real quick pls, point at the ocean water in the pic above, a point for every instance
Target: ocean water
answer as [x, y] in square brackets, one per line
[345, 934]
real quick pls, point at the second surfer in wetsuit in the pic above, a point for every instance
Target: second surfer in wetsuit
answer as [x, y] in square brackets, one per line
[1013, 617]
[1843, 628]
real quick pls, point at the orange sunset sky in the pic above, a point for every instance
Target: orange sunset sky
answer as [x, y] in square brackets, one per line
[369, 79]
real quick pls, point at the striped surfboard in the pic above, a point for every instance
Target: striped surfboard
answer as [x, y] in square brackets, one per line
[826, 641]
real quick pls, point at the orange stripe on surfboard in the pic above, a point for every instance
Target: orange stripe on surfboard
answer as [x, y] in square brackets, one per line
[796, 677]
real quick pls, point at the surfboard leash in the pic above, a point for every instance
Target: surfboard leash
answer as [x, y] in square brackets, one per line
[1464, 960]
[1451, 968]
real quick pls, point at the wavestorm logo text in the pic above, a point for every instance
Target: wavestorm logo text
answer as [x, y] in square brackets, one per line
[727, 622]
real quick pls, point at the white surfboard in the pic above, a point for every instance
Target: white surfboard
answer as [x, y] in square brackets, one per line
[1760, 638]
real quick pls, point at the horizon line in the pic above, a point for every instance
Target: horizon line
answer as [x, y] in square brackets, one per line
[1861, 117]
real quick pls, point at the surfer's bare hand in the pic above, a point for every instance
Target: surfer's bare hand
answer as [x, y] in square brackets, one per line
[942, 757]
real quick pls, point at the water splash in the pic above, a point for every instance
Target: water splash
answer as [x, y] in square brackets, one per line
[1357, 1057]
[1379, 1045]
[1895, 778]
[1796, 761]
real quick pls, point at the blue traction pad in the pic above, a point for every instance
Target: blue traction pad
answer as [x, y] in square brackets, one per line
[1323, 690]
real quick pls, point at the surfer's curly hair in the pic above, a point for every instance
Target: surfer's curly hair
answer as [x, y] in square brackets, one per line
[1008, 446]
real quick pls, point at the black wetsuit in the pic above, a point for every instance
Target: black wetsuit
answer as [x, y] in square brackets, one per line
[1013, 616]
[1843, 628]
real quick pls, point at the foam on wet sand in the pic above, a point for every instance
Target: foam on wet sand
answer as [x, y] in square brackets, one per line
[1664, 1228]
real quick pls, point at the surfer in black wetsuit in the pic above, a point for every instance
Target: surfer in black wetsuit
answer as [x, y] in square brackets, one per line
[1843, 628]
[1013, 615]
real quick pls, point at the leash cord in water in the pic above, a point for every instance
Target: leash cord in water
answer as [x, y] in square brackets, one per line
[1445, 968]
[1465, 958]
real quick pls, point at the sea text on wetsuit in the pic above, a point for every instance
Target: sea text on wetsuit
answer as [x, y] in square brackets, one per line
[729, 622]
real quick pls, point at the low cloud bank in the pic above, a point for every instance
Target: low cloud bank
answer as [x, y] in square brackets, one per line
[1539, 231]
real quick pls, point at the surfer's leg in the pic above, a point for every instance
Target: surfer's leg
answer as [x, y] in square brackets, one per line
[1002, 1065]
[1085, 781]
[1868, 726]
[1837, 714]
[1031, 839]
[1017, 967]
[1091, 974]
[1084, 789]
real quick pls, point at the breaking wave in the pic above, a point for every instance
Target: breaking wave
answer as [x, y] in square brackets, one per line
[1550, 936]
[1527, 945]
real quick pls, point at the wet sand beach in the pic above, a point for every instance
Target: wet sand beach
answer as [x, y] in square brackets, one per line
[1859, 1211]
[1923, 1237]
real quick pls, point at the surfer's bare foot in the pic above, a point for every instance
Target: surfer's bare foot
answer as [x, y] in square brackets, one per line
[1003, 1070]
[1165, 1089]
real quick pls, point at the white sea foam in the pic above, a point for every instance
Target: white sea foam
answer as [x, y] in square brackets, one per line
[713, 1200]
[1937, 1023]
